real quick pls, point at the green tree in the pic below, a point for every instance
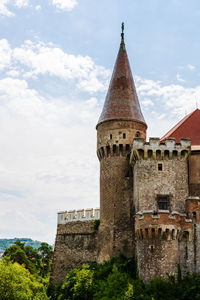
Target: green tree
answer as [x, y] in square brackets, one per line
[114, 287]
[46, 253]
[16, 283]
[17, 254]
[78, 284]
[129, 292]
[188, 288]
[36, 261]
[34, 257]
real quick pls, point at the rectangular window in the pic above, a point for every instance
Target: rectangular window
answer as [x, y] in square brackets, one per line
[160, 167]
[163, 202]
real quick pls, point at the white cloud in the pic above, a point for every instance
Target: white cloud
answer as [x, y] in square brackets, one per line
[17, 3]
[171, 99]
[147, 102]
[191, 67]
[4, 10]
[41, 166]
[5, 54]
[46, 59]
[21, 3]
[13, 73]
[33, 59]
[179, 78]
[65, 4]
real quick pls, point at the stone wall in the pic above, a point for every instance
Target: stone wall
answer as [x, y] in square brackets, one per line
[76, 244]
[150, 182]
[156, 258]
[193, 212]
[160, 170]
[194, 173]
[114, 141]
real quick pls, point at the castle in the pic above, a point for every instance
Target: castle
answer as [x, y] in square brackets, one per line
[149, 191]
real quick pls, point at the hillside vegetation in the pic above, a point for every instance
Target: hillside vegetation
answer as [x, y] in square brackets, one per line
[6, 243]
[24, 275]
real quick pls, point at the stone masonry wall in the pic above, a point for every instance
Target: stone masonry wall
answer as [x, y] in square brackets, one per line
[149, 181]
[114, 140]
[164, 241]
[192, 255]
[157, 258]
[194, 173]
[76, 244]
[116, 231]
[161, 170]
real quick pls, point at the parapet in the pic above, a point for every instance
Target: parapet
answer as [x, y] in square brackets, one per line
[78, 215]
[165, 225]
[157, 150]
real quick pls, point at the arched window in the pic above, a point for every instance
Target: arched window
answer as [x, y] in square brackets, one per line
[137, 134]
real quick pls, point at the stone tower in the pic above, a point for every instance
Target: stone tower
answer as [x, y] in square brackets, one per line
[163, 227]
[121, 120]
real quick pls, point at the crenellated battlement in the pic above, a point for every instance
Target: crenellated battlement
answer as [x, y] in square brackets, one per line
[157, 150]
[78, 215]
[113, 150]
[164, 225]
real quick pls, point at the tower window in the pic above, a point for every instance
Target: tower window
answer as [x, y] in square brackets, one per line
[163, 202]
[160, 167]
[110, 136]
[137, 134]
[124, 135]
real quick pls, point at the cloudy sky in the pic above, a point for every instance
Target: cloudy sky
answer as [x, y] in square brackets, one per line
[56, 59]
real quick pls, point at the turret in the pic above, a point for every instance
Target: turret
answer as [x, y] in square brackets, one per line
[121, 120]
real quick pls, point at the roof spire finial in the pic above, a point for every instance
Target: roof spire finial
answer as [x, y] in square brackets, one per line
[122, 34]
[122, 45]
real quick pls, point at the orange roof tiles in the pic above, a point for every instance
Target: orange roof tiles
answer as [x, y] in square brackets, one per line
[188, 127]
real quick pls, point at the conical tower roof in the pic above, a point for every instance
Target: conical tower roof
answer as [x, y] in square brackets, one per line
[121, 101]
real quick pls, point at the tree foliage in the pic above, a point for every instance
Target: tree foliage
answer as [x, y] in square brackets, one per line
[17, 283]
[24, 274]
[118, 279]
[78, 284]
[36, 261]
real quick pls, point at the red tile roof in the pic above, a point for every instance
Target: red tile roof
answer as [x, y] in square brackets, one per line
[188, 127]
[121, 100]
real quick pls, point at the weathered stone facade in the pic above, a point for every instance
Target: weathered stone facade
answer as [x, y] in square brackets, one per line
[194, 173]
[166, 237]
[149, 193]
[76, 244]
[114, 141]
